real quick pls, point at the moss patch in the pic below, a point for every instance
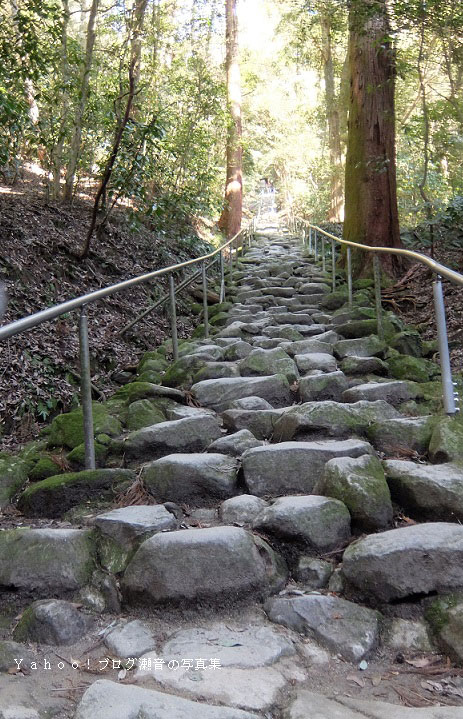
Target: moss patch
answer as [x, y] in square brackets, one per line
[67, 429]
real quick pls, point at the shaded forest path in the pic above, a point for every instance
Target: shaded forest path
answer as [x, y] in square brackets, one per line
[239, 593]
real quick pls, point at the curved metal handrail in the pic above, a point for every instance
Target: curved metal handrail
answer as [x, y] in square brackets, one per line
[36, 319]
[450, 398]
[436, 267]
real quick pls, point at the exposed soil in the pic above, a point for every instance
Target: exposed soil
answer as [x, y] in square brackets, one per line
[39, 265]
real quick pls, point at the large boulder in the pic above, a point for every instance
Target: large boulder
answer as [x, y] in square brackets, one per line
[446, 443]
[316, 360]
[107, 700]
[409, 561]
[427, 491]
[309, 346]
[342, 627]
[370, 346]
[52, 621]
[242, 509]
[53, 497]
[202, 564]
[190, 434]
[144, 413]
[392, 392]
[68, 429]
[445, 616]
[218, 393]
[294, 467]
[334, 419]
[235, 444]
[260, 423]
[402, 434]
[199, 479]
[46, 561]
[359, 483]
[265, 362]
[318, 522]
[13, 475]
[319, 387]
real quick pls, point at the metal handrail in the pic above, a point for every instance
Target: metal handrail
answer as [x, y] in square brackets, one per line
[450, 397]
[27, 323]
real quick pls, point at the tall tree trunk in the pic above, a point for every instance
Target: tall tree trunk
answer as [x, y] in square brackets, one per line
[336, 213]
[57, 152]
[29, 90]
[371, 215]
[81, 105]
[230, 220]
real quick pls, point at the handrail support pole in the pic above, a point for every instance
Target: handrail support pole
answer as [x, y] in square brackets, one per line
[173, 317]
[349, 276]
[444, 356]
[86, 389]
[333, 264]
[379, 307]
[205, 305]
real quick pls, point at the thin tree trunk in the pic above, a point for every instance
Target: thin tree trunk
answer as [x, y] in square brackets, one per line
[336, 213]
[424, 109]
[29, 90]
[81, 105]
[57, 152]
[371, 214]
[230, 220]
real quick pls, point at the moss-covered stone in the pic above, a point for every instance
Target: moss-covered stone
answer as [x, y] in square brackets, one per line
[219, 308]
[181, 372]
[359, 483]
[408, 342]
[13, 475]
[113, 556]
[152, 362]
[445, 617]
[412, 368]
[198, 333]
[45, 467]
[363, 284]
[9, 651]
[54, 496]
[143, 413]
[77, 456]
[219, 319]
[335, 300]
[402, 434]
[149, 376]
[67, 430]
[446, 443]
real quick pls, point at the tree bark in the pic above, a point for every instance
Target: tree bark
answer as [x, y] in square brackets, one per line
[230, 219]
[57, 152]
[371, 214]
[81, 105]
[336, 213]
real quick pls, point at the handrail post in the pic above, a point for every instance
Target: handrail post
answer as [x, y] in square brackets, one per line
[444, 357]
[230, 261]
[349, 276]
[205, 306]
[310, 240]
[323, 254]
[303, 237]
[173, 317]
[333, 264]
[222, 278]
[316, 245]
[379, 307]
[86, 390]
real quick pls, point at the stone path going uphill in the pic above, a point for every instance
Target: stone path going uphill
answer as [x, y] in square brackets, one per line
[299, 552]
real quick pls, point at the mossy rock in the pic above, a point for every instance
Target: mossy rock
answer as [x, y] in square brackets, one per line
[445, 617]
[67, 430]
[408, 342]
[13, 475]
[143, 413]
[198, 333]
[181, 372]
[430, 348]
[411, 368]
[54, 496]
[145, 390]
[153, 366]
[149, 376]
[221, 307]
[446, 443]
[32, 452]
[45, 467]
[113, 557]
[77, 455]
[363, 284]
[335, 300]
[219, 319]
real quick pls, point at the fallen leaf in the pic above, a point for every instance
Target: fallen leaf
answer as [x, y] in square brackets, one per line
[357, 680]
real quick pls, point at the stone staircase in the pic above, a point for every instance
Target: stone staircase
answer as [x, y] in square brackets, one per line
[295, 539]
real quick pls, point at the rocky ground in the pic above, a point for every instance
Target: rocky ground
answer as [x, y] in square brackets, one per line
[273, 530]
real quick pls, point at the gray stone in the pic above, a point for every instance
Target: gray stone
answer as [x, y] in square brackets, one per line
[320, 523]
[408, 636]
[129, 524]
[313, 573]
[219, 393]
[353, 365]
[46, 560]
[334, 419]
[404, 562]
[261, 362]
[294, 467]
[362, 347]
[283, 318]
[427, 491]
[186, 566]
[354, 633]
[130, 639]
[237, 351]
[394, 392]
[9, 651]
[18, 712]
[260, 422]
[246, 647]
[250, 403]
[242, 509]
[359, 483]
[208, 352]
[216, 370]
[107, 700]
[310, 346]
[180, 411]
[402, 435]
[199, 479]
[235, 444]
[445, 616]
[316, 360]
[52, 621]
[191, 434]
[143, 413]
[446, 443]
[328, 386]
